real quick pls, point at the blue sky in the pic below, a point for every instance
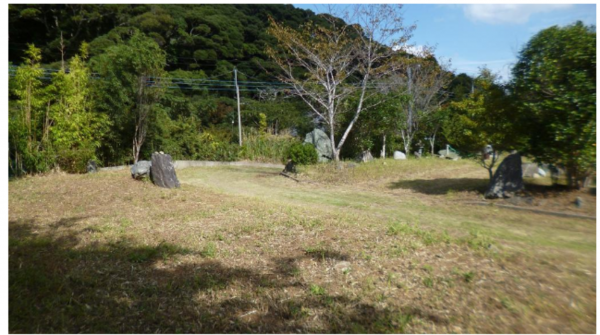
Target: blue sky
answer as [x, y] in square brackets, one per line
[484, 34]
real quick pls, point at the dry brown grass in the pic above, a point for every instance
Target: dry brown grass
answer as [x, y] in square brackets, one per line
[243, 250]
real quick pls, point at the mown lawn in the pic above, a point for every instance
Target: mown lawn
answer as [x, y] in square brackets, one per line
[381, 247]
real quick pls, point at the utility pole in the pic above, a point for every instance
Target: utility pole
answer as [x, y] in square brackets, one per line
[237, 92]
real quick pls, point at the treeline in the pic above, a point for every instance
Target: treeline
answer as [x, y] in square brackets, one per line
[190, 115]
[117, 82]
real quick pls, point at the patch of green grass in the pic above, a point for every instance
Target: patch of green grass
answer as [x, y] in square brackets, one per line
[209, 250]
[397, 251]
[507, 303]
[477, 240]
[401, 228]
[398, 228]
[468, 276]
[210, 282]
[387, 323]
[321, 252]
[148, 253]
[317, 290]
[296, 310]
[428, 282]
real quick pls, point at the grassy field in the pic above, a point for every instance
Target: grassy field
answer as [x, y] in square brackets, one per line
[384, 247]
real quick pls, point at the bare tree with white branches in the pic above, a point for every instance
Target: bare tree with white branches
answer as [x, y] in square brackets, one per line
[327, 64]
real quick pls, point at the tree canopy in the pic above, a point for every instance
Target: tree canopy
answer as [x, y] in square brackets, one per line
[555, 85]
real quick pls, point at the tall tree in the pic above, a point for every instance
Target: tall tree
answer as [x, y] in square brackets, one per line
[74, 127]
[422, 80]
[129, 89]
[485, 118]
[26, 152]
[329, 63]
[555, 82]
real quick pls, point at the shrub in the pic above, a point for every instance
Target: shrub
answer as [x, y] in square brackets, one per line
[302, 154]
[75, 160]
[263, 147]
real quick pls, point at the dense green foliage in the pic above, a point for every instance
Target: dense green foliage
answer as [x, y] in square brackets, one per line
[485, 117]
[123, 92]
[264, 147]
[303, 154]
[210, 38]
[555, 85]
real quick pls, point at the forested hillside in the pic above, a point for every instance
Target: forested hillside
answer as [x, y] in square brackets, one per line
[208, 38]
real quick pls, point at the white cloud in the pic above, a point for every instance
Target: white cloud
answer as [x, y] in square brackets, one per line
[501, 67]
[507, 13]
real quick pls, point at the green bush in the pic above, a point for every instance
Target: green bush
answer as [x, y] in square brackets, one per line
[75, 160]
[302, 154]
[263, 147]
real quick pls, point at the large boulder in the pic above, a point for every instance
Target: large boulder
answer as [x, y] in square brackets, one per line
[140, 169]
[365, 157]
[163, 171]
[399, 155]
[322, 143]
[507, 179]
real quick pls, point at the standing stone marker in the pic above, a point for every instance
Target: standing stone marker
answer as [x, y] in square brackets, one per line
[91, 166]
[508, 178]
[322, 143]
[365, 157]
[163, 171]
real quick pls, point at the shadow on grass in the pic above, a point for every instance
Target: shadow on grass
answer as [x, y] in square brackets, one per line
[441, 185]
[56, 285]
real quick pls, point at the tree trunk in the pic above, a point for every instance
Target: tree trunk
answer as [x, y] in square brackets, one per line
[334, 149]
[573, 177]
[406, 140]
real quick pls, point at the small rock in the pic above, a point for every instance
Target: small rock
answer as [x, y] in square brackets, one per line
[578, 202]
[365, 157]
[449, 154]
[342, 266]
[140, 169]
[290, 167]
[399, 155]
[162, 153]
[541, 172]
[493, 248]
